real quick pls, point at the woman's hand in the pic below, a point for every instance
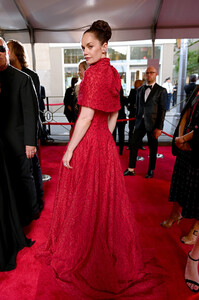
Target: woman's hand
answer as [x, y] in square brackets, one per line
[67, 158]
[186, 147]
[182, 144]
[179, 141]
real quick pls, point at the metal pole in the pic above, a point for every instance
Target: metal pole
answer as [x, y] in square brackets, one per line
[153, 48]
[182, 74]
[47, 102]
[32, 42]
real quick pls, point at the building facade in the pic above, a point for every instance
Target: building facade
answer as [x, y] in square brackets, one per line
[56, 64]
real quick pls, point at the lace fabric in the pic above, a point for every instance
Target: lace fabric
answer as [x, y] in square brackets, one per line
[100, 87]
[92, 244]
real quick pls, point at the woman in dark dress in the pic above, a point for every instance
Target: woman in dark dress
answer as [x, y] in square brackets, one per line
[184, 190]
[68, 98]
[12, 238]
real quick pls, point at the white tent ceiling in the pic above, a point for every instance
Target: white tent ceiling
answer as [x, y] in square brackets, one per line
[54, 21]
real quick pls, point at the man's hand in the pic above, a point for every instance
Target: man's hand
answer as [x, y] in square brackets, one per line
[157, 132]
[30, 151]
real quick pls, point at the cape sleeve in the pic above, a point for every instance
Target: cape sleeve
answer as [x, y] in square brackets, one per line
[100, 90]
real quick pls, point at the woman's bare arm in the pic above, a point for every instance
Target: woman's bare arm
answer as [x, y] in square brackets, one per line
[81, 127]
[112, 121]
[182, 141]
[183, 122]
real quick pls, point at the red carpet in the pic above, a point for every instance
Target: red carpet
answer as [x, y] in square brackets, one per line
[150, 201]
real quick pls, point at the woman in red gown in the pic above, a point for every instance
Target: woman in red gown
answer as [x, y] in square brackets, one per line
[91, 245]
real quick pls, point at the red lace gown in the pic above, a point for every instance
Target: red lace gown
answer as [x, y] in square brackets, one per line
[91, 245]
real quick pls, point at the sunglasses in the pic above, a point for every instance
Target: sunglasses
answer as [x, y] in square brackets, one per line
[147, 73]
[2, 49]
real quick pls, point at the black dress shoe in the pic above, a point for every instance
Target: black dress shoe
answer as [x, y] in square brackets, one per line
[129, 173]
[36, 216]
[139, 158]
[149, 174]
[120, 152]
[41, 206]
[142, 148]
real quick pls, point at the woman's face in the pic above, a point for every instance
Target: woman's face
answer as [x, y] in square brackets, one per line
[81, 71]
[92, 48]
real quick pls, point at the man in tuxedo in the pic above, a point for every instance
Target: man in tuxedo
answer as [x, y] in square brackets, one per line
[18, 125]
[18, 60]
[189, 88]
[150, 114]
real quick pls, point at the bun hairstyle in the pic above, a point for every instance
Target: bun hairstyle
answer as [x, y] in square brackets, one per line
[101, 30]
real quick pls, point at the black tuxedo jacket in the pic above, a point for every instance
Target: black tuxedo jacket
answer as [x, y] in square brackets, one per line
[35, 78]
[153, 109]
[19, 110]
[36, 83]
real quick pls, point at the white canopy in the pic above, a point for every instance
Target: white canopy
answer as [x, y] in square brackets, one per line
[54, 21]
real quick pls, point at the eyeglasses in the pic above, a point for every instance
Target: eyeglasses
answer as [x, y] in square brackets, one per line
[2, 49]
[147, 73]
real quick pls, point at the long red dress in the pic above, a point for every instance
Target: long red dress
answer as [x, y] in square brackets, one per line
[92, 246]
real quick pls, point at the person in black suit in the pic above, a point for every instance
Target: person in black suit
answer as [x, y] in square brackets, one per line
[12, 237]
[68, 99]
[132, 109]
[120, 126]
[189, 88]
[44, 131]
[18, 60]
[150, 114]
[18, 124]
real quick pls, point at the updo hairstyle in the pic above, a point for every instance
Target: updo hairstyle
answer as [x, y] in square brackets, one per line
[101, 30]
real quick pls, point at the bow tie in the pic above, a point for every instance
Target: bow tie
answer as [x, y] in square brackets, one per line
[148, 87]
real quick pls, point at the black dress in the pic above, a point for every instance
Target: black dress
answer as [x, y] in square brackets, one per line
[12, 238]
[185, 179]
[70, 100]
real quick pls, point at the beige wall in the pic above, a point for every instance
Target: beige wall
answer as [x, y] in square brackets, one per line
[167, 62]
[43, 65]
[56, 76]
[50, 68]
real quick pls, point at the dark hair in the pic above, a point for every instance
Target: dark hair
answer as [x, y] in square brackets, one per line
[101, 30]
[73, 81]
[19, 51]
[192, 78]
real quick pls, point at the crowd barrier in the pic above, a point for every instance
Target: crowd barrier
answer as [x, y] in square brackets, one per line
[120, 120]
[46, 177]
[49, 116]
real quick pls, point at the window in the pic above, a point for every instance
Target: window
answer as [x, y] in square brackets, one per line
[69, 73]
[122, 72]
[143, 52]
[117, 53]
[72, 56]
